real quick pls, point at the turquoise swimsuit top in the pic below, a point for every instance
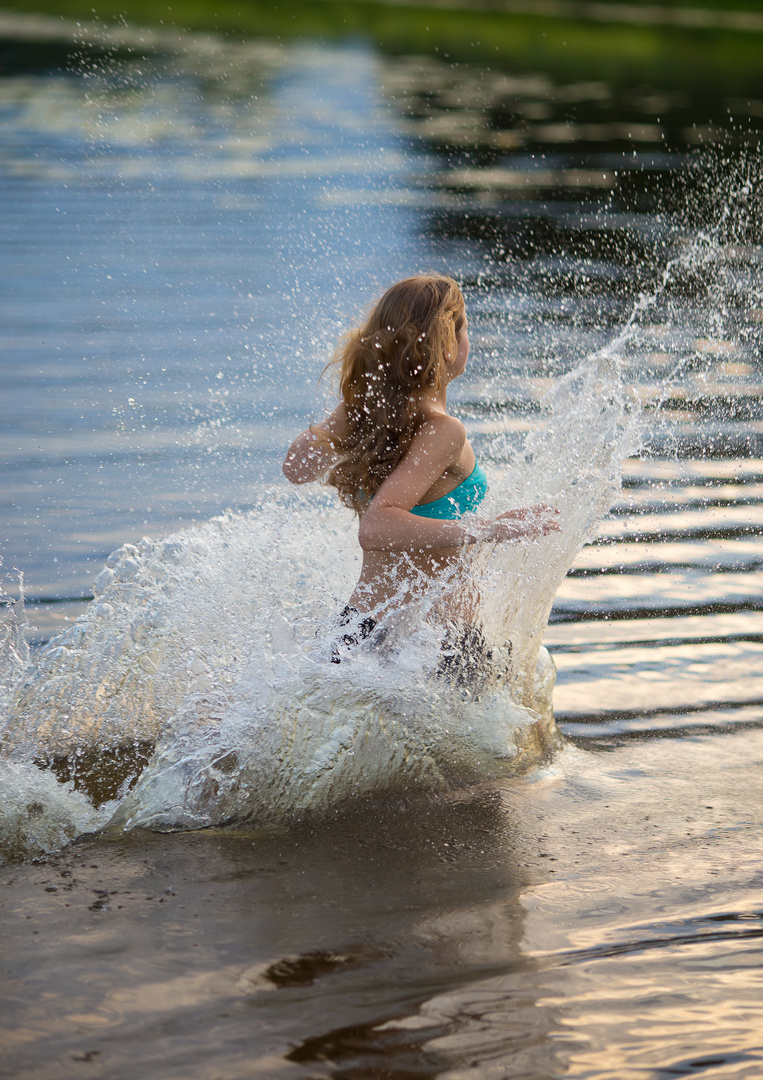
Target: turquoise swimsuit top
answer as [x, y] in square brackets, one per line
[467, 496]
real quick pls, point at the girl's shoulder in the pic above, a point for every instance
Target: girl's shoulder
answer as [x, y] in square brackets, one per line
[441, 425]
[441, 431]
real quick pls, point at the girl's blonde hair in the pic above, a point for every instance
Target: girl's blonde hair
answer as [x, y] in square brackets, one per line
[385, 366]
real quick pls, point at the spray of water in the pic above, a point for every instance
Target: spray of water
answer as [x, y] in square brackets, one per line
[203, 669]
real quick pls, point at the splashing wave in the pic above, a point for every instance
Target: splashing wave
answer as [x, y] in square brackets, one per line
[197, 688]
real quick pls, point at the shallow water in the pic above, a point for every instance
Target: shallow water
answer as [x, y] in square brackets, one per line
[185, 236]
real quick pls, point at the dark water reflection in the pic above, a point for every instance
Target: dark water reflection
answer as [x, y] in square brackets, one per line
[184, 235]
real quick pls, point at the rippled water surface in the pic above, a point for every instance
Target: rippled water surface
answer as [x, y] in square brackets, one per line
[186, 229]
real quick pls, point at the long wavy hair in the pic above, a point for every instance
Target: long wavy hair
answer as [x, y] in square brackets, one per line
[385, 367]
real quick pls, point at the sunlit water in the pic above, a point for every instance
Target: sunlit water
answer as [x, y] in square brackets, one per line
[417, 876]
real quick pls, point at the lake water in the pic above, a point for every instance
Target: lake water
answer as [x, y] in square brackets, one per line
[369, 874]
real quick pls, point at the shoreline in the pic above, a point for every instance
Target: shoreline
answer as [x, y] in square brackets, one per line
[685, 45]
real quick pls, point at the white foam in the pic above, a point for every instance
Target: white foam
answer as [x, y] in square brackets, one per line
[38, 814]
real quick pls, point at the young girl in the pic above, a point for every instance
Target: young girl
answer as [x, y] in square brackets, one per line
[399, 460]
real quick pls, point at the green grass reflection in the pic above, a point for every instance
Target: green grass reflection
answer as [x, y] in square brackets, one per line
[638, 41]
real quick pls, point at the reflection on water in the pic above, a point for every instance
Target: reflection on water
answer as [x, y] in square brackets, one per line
[602, 919]
[187, 229]
[288, 947]
[166, 231]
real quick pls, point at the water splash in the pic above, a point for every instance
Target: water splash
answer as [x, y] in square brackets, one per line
[571, 462]
[14, 649]
[202, 668]
[213, 646]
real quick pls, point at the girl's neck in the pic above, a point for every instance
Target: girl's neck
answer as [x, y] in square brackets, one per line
[435, 400]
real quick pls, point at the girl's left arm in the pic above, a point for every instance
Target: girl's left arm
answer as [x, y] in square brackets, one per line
[314, 452]
[387, 524]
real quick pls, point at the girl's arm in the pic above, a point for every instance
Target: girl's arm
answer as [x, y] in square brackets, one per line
[388, 524]
[314, 452]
